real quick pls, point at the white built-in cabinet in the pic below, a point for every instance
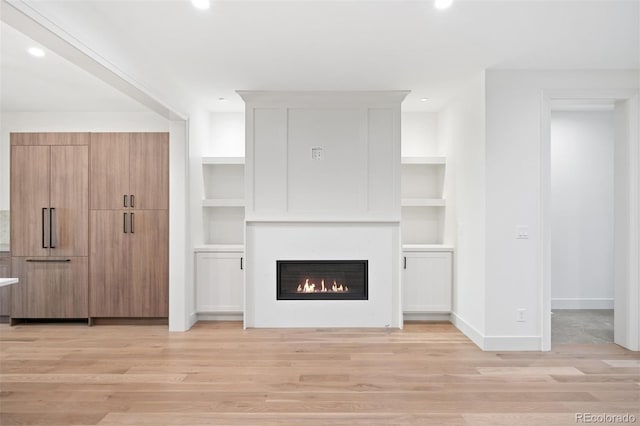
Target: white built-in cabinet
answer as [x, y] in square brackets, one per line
[220, 281]
[427, 261]
[219, 263]
[426, 281]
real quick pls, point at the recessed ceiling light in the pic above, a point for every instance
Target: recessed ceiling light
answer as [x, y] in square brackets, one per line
[201, 4]
[222, 99]
[36, 51]
[442, 4]
[424, 99]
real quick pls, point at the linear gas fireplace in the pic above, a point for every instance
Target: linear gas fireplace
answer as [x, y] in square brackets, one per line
[322, 279]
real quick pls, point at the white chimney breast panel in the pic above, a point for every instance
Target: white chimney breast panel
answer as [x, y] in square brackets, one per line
[269, 160]
[383, 162]
[342, 205]
[337, 183]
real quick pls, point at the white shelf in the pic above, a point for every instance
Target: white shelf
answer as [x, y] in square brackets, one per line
[222, 160]
[223, 202]
[427, 247]
[424, 160]
[215, 248]
[423, 202]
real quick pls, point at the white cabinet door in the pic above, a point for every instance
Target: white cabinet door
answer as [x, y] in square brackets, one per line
[219, 282]
[426, 281]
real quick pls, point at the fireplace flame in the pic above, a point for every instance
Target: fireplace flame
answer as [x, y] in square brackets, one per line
[308, 287]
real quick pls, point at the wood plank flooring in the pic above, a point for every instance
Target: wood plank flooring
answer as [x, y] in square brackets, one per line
[219, 374]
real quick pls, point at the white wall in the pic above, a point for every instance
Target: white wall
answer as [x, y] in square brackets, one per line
[420, 134]
[226, 137]
[181, 287]
[626, 223]
[69, 122]
[461, 132]
[199, 143]
[513, 198]
[582, 190]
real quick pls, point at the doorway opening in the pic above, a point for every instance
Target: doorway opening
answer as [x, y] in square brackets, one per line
[582, 221]
[590, 230]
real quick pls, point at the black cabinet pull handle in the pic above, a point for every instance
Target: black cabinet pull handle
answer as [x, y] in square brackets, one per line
[241, 263]
[124, 203]
[133, 199]
[44, 245]
[52, 229]
[405, 262]
[124, 223]
[48, 260]
[131, 227]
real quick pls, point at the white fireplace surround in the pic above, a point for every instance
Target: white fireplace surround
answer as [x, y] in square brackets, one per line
[322, 182]
[268, 242]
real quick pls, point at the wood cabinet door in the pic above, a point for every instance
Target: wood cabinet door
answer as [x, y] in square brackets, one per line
[109, 170]
[109, 271]
[150, 263]
[69, 200]
[30, 200]
[149, 169]
[426, 282]
[5, 292]
[50, 287]
[219, 283]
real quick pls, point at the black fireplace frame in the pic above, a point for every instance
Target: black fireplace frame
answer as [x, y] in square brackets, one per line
[364, 295]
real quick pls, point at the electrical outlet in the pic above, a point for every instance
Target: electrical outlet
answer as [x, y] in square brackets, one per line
[520, 315]
[522, 232]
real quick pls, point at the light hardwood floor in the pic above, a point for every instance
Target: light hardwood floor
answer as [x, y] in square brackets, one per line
[217, 373]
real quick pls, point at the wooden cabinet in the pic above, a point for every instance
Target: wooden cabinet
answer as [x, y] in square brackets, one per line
[49, 200]
[129, 263]
[50, 287]
[5, 292]
[49, 224]
[149, 170]
[426, 282]
[149, 239]
[109, 164]
[220, 282]
[110, 264]
[129, 164]
[30, 200]
[129, 225]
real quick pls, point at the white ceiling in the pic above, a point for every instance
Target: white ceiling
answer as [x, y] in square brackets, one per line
[191, 58]
[29, 84]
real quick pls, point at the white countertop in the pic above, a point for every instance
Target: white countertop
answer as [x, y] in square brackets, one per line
[8, 281]
[4, 248]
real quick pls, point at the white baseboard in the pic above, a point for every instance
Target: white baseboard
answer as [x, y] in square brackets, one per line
[224, 316]
[420, 316]
[496, 343]
[468, 330]
[193, 318]
[581, 303]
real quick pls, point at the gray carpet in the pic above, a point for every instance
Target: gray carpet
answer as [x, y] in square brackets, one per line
[581, 326]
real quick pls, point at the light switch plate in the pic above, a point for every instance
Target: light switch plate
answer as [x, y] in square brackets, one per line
[317, 154]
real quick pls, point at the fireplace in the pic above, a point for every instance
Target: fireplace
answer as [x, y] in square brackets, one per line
[322, 279]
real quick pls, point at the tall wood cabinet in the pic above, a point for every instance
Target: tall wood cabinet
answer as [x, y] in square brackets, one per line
[89, 225]
[129, 225]
[49, 224]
